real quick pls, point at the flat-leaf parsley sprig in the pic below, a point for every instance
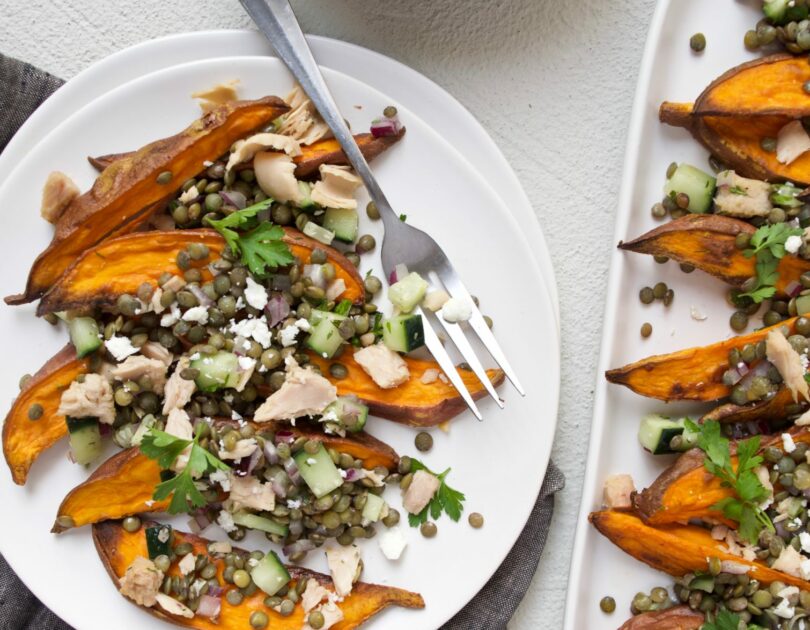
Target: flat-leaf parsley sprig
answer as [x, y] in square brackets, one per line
[750, 493]
[165, 449]
[446, 499]
[768, 245]
[259, 244]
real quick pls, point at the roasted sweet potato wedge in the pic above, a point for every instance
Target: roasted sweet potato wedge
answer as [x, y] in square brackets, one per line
[325, 151]
[120, 265]
[123, 192]
[706, 241]
[676, 549]
[24, 439]
[123, 485]
[687, 490]
[675, 618]
[414, 403]
[117, 549]
[746, 104]
[690, 374]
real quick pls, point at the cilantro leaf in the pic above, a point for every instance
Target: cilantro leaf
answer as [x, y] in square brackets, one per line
[343, 307]
[239, 219]
[725, 620]
[165, 449]
[446, 499]
[768, 245]
[748, 489]
[262, 248]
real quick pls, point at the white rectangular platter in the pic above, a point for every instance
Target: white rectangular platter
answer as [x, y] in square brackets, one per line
[669, 71]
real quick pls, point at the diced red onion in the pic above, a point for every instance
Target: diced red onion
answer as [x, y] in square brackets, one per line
[382, 127]
[354, 474]
[209, 606]
[202, 298]
[734, 376]
[277, 309]
[742, 368]
[303, 545]
[760, 369]
[735, 568]
[201, 518]
[292, 471]
[234, 198]
[278, 486]
[285, 436]
[315, 273]
[216, 591]
[270, 452]
[793, 289]
[335, 289]
[245, 465]
[104, 429]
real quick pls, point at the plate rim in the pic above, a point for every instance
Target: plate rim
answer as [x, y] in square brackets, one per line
[625, 209]
[547, 301]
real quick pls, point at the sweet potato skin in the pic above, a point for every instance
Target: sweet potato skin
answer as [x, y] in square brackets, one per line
[675, 549]
[706, 241]
[120, 265]
[312, 156]
[413, 403]
[117, 549]
[687, 490]
[690, 374]
[778, 407]
[128, 187]
[24, 439]
[767, 94]
[675, 618]
[124, 484]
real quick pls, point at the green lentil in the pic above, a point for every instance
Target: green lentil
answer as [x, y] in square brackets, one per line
[751, 40]
[739, 321]
[428, 529]
[372, 211]
[287, 607]
[164, 178]
[607, 604]
[423, 441]
[686, 267]
[390, 111]
[259, 620]
[35, 411]
[162, 563]
[697, 42]
[338, 370]
[476, 520]
[372, 284]
[768, 145]
[234, 597]
[658, 210]
[365, 243]
[646, 329]
[646, 295]
[131, 524]
[660, 290]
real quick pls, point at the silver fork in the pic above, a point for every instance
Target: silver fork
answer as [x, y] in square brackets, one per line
[403, 244]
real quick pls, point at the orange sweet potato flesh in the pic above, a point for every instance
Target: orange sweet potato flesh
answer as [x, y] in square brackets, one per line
[675, 618]
[777, 407]
[325, 151]
[746, 104]
[706, 241]
[124, 191]
[124, 484]
[687, 490]
[690, 374]
[117, 549]
[413, 403]
[120, 265]
[676, 549]
[24, 439]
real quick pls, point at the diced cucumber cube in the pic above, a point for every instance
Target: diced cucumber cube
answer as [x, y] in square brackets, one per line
[325, 339]
[260, 523]
[320, 234]
[217, 371]
[85, 439]
[349, 411]
[775, 10]
[270, 575]
[403, 333]
[84, 335]
[318, 314]
[696, 184]
[306, 196]
[407, 292]
[372, 511]
[343, 222]
[159, 541]
[318, 471]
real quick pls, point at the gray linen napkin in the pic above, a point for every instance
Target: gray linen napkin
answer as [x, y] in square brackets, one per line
[22, 89]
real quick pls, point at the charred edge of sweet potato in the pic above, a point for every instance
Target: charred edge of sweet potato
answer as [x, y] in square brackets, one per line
[705, 241]
[675, 618]
[24, 439]
[676, 114]
[128, 187]
[413, 403]
[676, 549]
[124, 484]
[688, 374]
[117, 549]
[326, 151]
[775, 408]
[686, 490]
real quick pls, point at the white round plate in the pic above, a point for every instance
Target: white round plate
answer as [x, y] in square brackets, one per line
[499, 463]
[422, 96]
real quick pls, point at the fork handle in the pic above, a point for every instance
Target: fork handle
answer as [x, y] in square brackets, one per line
[276, 20]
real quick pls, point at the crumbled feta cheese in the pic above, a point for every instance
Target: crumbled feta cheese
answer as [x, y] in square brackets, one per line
[783, 609]
[190, 195]
[792, 244]
[288, 334]
[197, 314]
[393, 543]
[697, 314]
[302, 324]
[186, 565]
[457, 310]
[222, 478]
[787, 443]
[255, 294]
[343, 473]
[293, 504]
[246, 363]
[253, 328]
[120, 347]
[171, 318]
[804, 539]
[225, 521]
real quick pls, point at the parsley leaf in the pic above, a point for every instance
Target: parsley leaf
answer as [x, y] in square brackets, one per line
[259, 245]
[343, 307]
[446, 499]
[403, 217]
[165, 449]
[750, 493]
[768, 245]
[724, 620]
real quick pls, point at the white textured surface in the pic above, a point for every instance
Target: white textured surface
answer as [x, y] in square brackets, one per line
[553, 83]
